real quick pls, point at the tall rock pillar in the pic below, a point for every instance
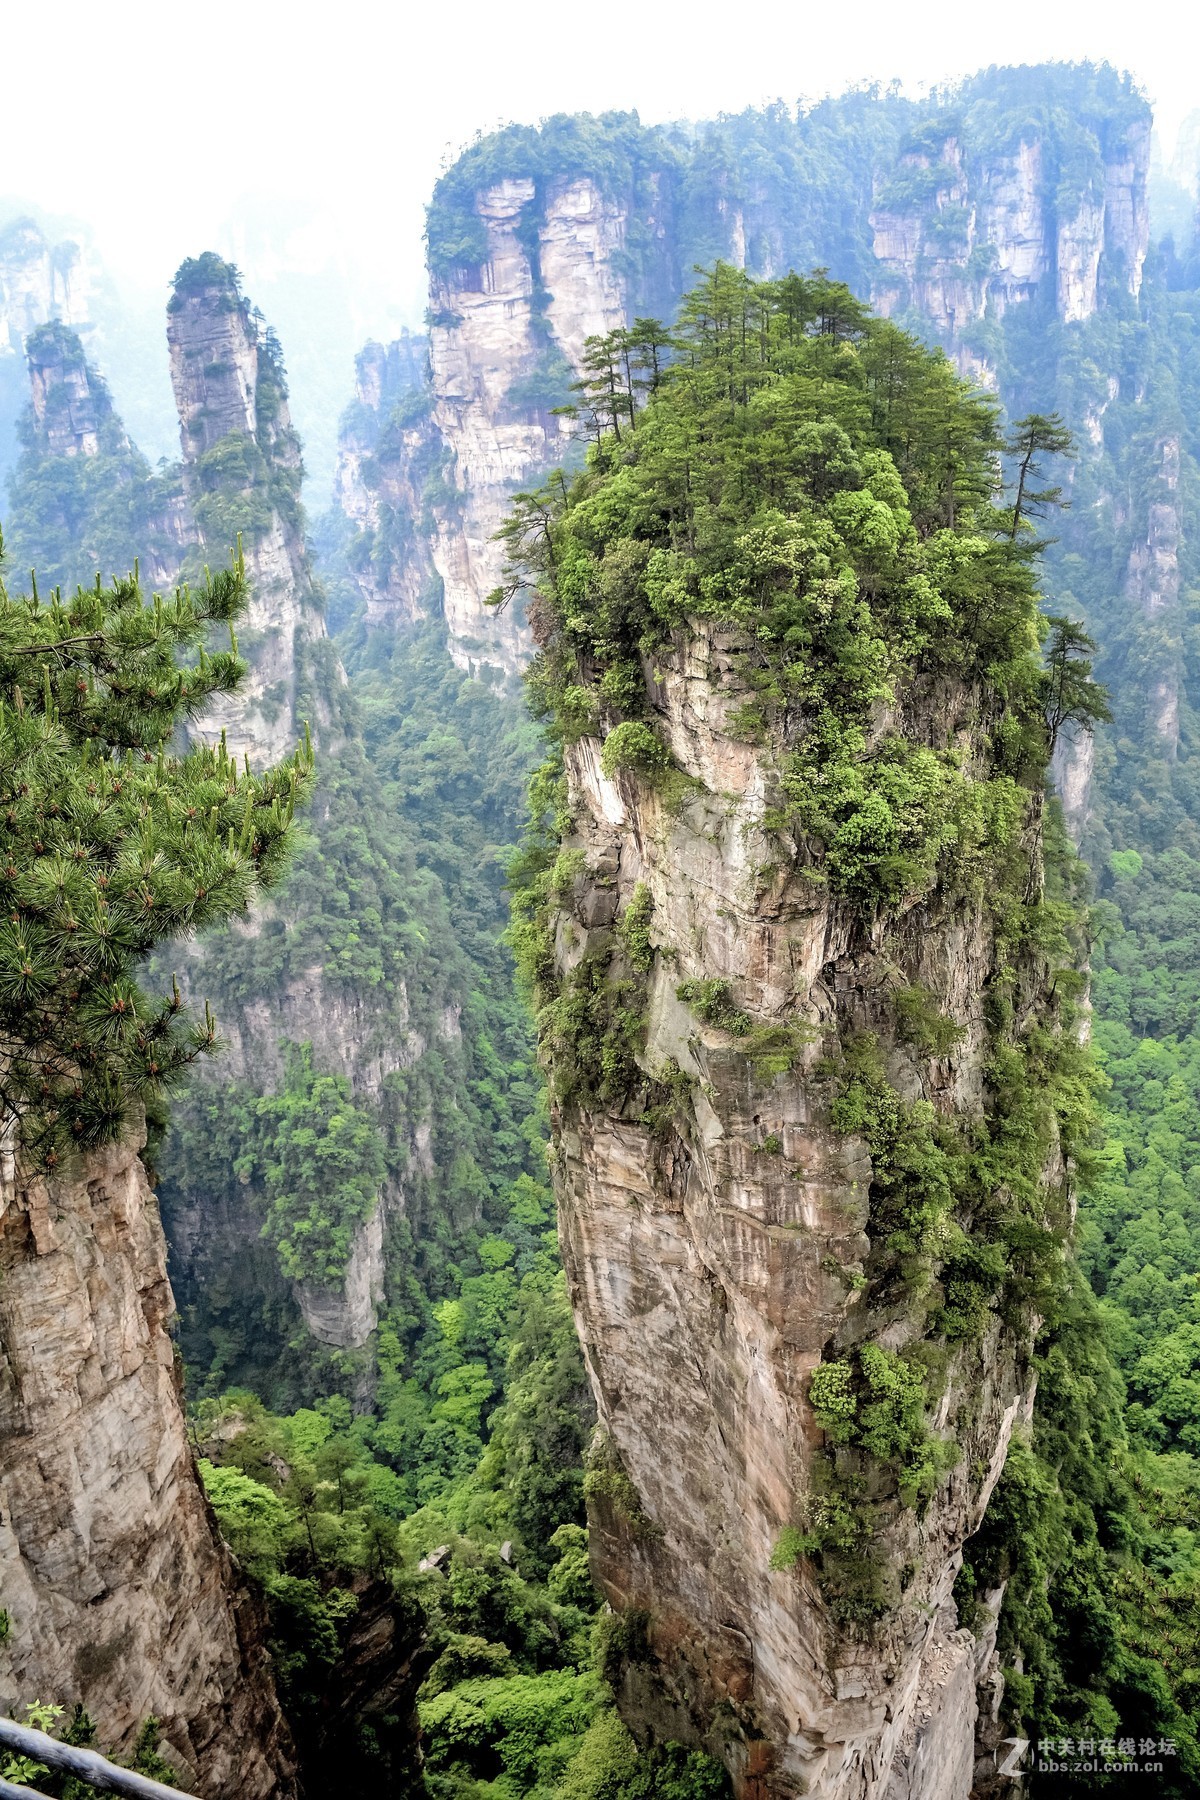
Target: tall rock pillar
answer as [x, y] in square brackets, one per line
[242, 473]
[118, 1590]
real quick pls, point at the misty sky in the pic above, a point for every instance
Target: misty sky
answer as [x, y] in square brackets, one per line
[302, 140]
[159, 124]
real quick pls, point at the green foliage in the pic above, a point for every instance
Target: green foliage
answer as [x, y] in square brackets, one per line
[814, 479]
[877, 1401]
[711, 999]
[196, 273]
[919, 1023]
[113, 843]
[319, 1162]
[71, 515]
[793, 1544]
[79, 1730]
[634, 927]
[397, 896]
[632, 745]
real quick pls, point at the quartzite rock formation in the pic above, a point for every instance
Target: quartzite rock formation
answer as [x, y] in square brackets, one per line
[710, 1268]
[242, 471]
[118, 1590]
[945, 233]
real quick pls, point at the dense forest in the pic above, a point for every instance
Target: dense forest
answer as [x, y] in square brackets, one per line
[437, 1471]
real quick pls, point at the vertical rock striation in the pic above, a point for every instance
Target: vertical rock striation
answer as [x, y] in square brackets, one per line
[71, 404]
[386, 462]
[960, 238]
[40, 281]
[710, 1271]
[506, 338]
[119, 1591]
[242, 473]
[1152, 587]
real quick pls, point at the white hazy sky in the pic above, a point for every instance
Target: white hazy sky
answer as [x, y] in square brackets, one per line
[157, 124]
[302, 140]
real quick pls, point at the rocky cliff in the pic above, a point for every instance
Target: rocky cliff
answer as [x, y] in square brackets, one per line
[548, 281]
[949, 217]
[961, 237]
[386, 464]
[40, 281]
[70, 403]
[242, 473]
[1152, 589]
[118, 1591]
[710, 1271]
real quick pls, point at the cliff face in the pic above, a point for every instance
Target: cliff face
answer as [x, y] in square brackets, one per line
[711, 1267]
[948, 220]
[118, 1588]
[40, 281]
[1152, 587]
[962, 238]
[546, 283]
[71, 407]
[387, 459]
[242, 471]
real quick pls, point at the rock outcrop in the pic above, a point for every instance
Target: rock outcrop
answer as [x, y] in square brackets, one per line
[71, 403]
[242, 471]
[1152, 587]
[345, 1316]
[499, 330]
[711, 1268]
[118, 1590]
[40, 281]
[949, 225]
[387, 459]
[960, 239]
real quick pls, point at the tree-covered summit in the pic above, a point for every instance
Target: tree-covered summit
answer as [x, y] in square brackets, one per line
[815, 478]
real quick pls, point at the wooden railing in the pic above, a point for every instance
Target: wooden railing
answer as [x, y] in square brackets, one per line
[87, 1765]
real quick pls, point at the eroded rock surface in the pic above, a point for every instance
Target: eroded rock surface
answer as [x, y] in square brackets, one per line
[119, 1591]
[242, 469]
[714, 1262]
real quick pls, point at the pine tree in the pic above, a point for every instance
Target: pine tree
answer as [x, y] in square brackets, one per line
[1072, 697]
[1032, 438]
[112, 839]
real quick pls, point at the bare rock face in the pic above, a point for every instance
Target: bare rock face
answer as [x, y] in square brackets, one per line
[713, 1260]
[1152, 586]
[242, 473]
[345, 1316]
[429, 490]
[39, 282]
[119, 1590]
[71, 405]
[1073, 768]
[961, 240]
[386, 458]
[487, 336]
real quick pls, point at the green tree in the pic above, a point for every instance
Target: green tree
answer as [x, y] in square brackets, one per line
[1072, 697]
[112, 841]
[321, 1162]
[1036, 436]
